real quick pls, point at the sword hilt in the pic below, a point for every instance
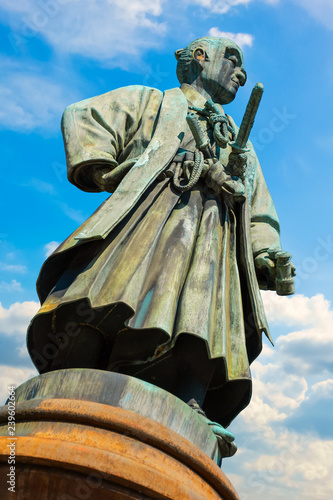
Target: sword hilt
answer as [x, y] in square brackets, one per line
[239, 145]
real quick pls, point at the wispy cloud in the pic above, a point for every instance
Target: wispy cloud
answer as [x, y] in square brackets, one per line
[112, 31]
[102, 29]
[32, 97]
[294, 463]
[41, 186]
[242, 39]
[321, 10]
[311, 415]
[14, 322]
[73, 213]
[224, 6]
[297, 309]
[50, 247]
[284, 442]
[308, 348]
[30, 100]
[13, 268]
[15, 319]
[11, 375]
[324, 388]
[276, 461]
[221, 6]
[13, 286]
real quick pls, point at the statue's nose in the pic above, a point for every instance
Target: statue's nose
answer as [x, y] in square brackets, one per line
[241, 76]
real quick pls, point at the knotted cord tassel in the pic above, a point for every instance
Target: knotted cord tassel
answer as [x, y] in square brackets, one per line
[195, 174]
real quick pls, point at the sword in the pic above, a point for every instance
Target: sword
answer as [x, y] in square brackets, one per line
[239, 145]
[237, 161]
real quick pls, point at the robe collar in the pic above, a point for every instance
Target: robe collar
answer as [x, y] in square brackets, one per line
[194, 97]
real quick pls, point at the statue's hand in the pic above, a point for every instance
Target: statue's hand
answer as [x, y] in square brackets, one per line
[217, 179]
[266, 268]
[237, 164]
[275, 271]
[102, 178]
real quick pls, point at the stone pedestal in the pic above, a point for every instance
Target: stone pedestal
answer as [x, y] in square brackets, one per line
[90, 434]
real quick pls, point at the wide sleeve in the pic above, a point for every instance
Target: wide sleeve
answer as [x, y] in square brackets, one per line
[265, 226]
[108, 132]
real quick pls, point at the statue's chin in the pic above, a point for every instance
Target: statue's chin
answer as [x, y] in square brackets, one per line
[226, 98]
[230, 99]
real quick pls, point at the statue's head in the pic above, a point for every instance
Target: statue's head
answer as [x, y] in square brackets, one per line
[214, 65]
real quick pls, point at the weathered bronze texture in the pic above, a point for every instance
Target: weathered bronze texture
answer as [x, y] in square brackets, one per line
[70, 447]
[163, 281]
[126, 393]
[248, 120]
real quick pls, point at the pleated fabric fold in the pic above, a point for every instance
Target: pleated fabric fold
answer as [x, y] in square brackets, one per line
[170, 269]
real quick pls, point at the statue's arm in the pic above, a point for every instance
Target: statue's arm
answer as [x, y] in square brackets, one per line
[265, 225]
[265, 229]
[104, 135]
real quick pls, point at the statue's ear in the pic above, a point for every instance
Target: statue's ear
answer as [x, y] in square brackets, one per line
[178, 53]
[200, 56]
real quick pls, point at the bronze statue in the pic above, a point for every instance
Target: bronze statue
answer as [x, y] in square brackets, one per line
[162, 281]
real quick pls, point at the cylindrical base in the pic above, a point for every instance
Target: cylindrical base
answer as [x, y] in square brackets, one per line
[70, 449]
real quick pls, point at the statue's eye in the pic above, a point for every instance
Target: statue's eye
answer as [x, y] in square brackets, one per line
[233, 59]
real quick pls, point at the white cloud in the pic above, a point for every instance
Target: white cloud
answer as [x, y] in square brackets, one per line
[13, 376]
[321, 10]
[284, 391]
[282, 455]
[111, 31]
[297, 309]
[50, 247]
[30, 100]
[15, 319]
[275, 462]
[308, 348]
[114, 31]
[73, 213]
[267, 351]
[224, 6]
[101, 29]
[323, 389]
[275, 396]
[301, 465]
[13, 268]
[41, 186]
[13, 286]
[242, 39]
[221, 6]
[258, 413]
[14, 323]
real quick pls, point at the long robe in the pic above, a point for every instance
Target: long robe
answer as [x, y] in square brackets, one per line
[152, 265]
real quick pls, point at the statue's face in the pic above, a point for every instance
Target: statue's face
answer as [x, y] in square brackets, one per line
[223, 72]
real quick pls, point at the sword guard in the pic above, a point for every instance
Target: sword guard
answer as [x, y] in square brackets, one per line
[237, 149]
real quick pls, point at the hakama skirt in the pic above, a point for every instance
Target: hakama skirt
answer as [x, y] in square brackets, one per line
[168, 270]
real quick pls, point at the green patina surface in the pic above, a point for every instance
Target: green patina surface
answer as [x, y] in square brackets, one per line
[154, 266]
[123, 392]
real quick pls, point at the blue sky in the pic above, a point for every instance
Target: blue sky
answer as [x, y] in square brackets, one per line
[56, 52]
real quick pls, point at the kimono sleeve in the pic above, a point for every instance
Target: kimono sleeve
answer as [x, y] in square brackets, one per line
[104, 132]
[265, 226]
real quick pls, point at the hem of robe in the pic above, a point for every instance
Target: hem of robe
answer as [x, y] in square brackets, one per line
[227, 395]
